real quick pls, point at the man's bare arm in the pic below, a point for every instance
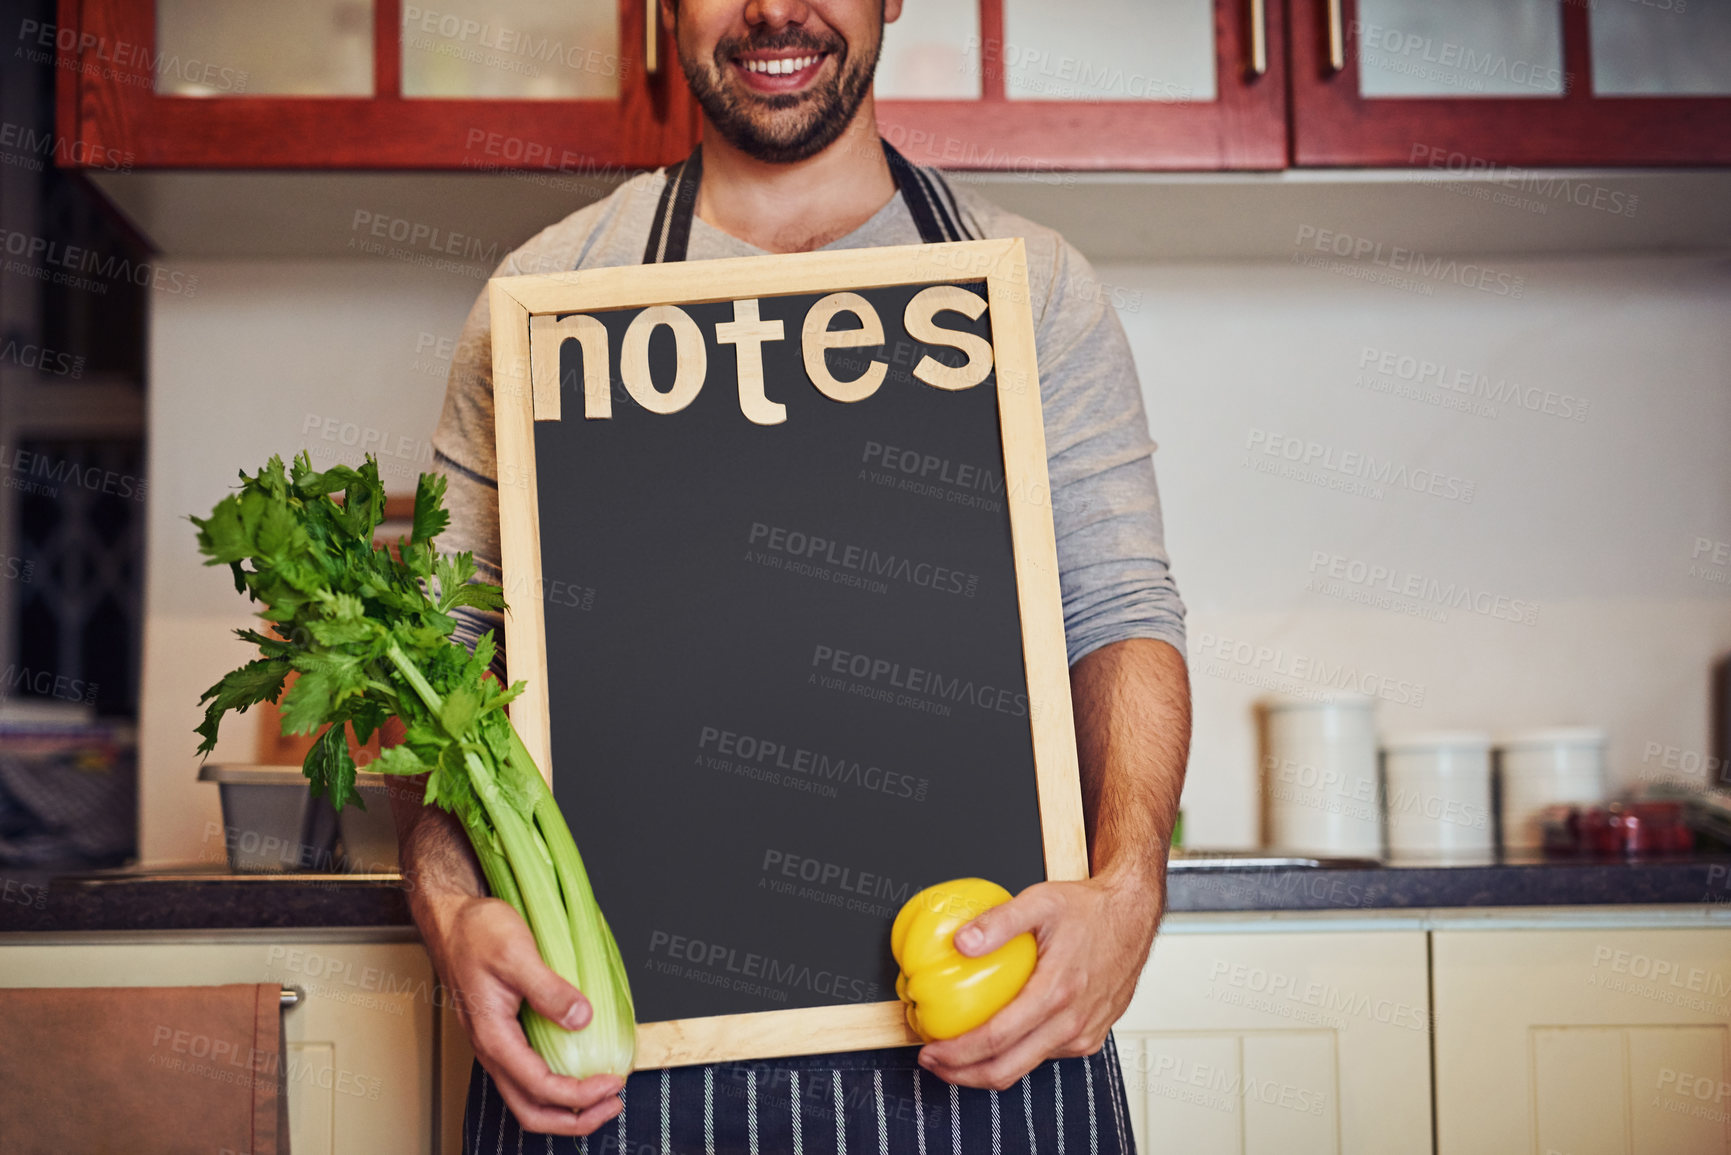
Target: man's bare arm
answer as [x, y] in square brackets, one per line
[1132, 707]
[486, 957]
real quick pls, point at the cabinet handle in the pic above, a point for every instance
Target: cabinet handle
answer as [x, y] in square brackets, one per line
[1258, 37]
[651, 37]
[1336, 36]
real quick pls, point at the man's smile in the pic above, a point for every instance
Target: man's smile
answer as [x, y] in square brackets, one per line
[778, 71]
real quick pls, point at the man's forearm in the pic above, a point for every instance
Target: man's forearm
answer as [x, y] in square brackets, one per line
[1133, 740]
[437, 860]
[434, 853]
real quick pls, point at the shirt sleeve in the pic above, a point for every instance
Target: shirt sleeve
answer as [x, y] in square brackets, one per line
[463, 449]
[1113, 568]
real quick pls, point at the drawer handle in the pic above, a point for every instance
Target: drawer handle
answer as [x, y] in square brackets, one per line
[1258, 37]
[1336, 36]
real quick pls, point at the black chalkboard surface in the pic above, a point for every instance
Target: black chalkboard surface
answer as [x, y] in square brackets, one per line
[782, 618]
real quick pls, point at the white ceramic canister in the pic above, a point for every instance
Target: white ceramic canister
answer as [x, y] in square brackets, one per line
[1319, 776]
[1437, 795]
[1540, 768]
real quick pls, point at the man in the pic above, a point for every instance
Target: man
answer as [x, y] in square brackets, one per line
[791, 161]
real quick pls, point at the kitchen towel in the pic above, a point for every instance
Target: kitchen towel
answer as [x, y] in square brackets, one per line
[133, 1069]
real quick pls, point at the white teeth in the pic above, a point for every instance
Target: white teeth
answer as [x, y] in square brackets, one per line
[780, 67]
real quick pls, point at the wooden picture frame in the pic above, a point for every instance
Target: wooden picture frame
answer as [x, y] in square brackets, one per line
[527, 390]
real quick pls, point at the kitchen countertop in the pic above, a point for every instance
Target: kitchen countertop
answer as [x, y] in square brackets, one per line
[213, 900]
[196, 899]
[1424, 886]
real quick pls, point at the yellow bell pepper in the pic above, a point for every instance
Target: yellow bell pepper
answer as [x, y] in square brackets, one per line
[948, 993]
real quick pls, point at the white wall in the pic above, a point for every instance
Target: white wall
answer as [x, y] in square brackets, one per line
[1592, 522]
[269, 357]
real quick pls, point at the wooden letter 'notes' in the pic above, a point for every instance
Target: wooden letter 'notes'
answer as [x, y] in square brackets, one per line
[778, 546]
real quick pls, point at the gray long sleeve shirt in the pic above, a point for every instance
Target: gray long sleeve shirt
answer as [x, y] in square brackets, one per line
[1115, 577]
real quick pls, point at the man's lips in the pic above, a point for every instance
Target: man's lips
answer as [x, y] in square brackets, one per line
[778, 71]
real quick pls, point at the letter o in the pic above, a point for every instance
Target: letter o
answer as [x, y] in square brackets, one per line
[691, 356]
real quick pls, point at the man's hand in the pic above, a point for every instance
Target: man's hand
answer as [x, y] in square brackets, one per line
[485, 954]
[1093, 938]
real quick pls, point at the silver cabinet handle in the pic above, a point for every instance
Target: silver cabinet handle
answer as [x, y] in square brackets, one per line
[1258, 37]
[1336, 36]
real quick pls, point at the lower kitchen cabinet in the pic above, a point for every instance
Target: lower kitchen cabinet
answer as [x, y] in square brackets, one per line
[1583, 1041]
[1285, 1043]
[360, 1042]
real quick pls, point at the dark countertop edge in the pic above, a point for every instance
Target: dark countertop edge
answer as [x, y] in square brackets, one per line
[1657, 882]
[168, 902]
[225, 902]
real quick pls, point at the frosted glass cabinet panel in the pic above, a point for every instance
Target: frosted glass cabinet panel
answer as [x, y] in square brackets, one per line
[264, 48]
[1668, 48]
[1462, 48]
[931, 53]
[1109, 50]
[513, 49]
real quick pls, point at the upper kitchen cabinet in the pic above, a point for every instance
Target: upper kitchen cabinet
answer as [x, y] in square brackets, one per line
[1034, 87]
[583, 85]
[1474, 83]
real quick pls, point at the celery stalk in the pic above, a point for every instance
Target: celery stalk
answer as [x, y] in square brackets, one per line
[369, 635]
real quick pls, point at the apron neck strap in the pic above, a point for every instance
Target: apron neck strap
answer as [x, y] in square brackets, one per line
[927, 196]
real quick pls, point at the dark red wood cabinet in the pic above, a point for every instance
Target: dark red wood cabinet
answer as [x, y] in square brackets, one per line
[1082, 85]
[112, 67]
[1340, 49]
[1109, 110]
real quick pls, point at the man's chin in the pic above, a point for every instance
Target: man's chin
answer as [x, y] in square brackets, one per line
[774, 149]
[775, 128]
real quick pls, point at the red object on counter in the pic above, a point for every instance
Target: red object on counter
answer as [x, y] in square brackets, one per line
[1632, 829]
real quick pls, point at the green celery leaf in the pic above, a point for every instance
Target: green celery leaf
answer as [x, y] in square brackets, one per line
[257, 681]
[331, 768]
[486, 649]
[345, 623]
[366, 717]
[326, 681]
[278, 533]
[399, 760]
[462, 706]
[222, 536]
[430, 515]
[270, 647]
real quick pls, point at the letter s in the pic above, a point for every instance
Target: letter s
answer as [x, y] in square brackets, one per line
[921, 326]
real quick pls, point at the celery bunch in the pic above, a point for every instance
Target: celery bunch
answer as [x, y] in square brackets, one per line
[369, 636]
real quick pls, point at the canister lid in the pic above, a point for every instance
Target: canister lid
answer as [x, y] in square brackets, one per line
[1552, 736]
[1319, 701]
[1436, 740]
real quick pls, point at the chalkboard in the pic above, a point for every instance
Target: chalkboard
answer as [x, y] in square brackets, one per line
[779, 554]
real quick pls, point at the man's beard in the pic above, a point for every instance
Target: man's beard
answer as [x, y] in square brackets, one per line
[781, 128]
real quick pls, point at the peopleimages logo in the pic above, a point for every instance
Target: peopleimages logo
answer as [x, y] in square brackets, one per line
[1460, 388]
[1373, 578]
[815, 549]
[1301, 675]
[830, 664]
[1350, 469]
[722, 964]
[1364, 251]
